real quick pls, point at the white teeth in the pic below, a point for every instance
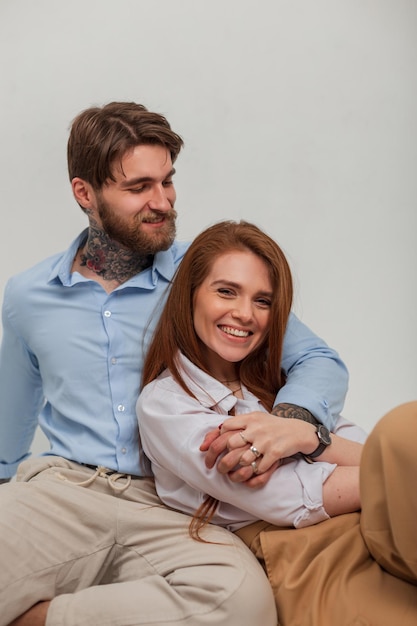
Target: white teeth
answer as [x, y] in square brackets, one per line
[234, 331]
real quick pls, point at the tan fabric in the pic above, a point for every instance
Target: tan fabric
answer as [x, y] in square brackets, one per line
[325, 575]
[389, 492]
[107, 552]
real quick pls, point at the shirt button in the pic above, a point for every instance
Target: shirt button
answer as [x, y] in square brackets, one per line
[124, 450]
[107, 313]
[121, 408]
[114, 361]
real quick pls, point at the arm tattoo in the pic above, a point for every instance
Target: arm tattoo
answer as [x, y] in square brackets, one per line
[294, 411]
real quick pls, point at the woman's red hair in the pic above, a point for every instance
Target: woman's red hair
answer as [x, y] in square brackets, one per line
[261, 370]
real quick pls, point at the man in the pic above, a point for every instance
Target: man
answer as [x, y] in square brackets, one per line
[84, 538]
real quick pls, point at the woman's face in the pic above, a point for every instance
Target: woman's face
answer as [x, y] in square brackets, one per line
[231, 310]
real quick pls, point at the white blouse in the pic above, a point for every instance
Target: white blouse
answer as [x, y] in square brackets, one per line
[172, 427]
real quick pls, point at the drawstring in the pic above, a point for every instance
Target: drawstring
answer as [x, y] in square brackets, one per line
[112, 478]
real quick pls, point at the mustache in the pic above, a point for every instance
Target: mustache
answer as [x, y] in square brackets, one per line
[155, 215]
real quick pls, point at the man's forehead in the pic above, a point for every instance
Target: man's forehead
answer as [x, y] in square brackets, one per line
[143, 161]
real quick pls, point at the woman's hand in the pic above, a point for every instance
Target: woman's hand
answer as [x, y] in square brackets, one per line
[274, 438]
[256, 442]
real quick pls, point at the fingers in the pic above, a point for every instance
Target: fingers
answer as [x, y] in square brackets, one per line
[241, 464]
[250, 455]
[248, 446]
[217, 447]
[236, 439]
[246, 475]
[230, 462]
[260, 479]
[209, 438]
[245, 453]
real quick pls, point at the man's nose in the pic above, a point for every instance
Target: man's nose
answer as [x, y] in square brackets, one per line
[160, 200]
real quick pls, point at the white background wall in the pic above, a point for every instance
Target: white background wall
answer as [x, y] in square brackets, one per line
[298, 115]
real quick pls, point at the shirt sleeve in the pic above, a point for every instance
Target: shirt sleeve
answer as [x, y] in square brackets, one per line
[173, 425]
[317, 379]
[20, 393]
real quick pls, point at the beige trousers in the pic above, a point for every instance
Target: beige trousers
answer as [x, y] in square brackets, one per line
[108, 553]
[358, 569]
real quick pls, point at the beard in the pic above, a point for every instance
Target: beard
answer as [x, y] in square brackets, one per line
[129, 233]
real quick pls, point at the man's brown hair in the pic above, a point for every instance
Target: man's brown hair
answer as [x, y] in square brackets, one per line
[101, 136]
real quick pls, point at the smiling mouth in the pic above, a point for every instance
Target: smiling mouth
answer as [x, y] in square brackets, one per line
[235, 332]
[153, 220]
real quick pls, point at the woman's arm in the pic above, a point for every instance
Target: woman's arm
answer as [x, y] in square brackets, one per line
[341, 491]
[172, 424]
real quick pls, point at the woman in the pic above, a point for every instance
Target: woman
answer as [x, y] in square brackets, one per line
[217, 350]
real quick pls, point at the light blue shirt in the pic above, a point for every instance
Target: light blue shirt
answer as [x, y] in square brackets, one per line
[71, 360]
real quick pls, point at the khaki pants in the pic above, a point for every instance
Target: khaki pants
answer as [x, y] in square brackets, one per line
[358, 569]
[111, 554]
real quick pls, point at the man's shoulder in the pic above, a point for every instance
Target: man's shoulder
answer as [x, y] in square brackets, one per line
[166, 262]
[32, 277]
[178, 249]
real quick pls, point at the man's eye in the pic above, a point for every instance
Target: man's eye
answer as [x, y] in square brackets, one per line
[168, 183]
[137, 190]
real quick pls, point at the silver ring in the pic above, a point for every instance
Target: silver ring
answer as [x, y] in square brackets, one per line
[254, 467]
[255, 451]
[243, 436]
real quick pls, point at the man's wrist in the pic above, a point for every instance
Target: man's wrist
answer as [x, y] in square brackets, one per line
[293, 411]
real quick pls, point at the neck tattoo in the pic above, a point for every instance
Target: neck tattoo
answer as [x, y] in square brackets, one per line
[108, 259]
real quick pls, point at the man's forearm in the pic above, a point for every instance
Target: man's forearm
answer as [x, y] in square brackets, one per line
[293, 411]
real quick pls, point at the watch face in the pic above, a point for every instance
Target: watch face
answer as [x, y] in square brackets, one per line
[324, 435]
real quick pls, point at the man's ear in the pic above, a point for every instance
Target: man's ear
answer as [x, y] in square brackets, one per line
[83, 193]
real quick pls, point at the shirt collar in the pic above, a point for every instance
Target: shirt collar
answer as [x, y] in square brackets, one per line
[209, 391]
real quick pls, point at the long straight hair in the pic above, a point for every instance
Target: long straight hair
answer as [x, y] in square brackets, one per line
[260, 371]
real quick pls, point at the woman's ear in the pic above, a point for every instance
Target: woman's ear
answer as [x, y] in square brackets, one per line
[83, 193]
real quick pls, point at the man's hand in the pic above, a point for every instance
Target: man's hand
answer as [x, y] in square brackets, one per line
[250, 447]
[216, 445]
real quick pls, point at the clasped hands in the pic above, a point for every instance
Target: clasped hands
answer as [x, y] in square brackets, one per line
[274, 438]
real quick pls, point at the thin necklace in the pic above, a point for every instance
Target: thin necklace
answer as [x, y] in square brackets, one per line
[229, 382]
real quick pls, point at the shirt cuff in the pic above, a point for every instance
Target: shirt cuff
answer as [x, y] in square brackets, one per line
[312, 476]
[301, 396]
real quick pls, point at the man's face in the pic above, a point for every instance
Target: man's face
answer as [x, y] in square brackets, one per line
[137, 210]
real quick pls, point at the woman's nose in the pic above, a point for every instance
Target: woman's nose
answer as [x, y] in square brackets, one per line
[243, 311]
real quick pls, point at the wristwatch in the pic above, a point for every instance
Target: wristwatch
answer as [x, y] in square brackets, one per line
[324, 438]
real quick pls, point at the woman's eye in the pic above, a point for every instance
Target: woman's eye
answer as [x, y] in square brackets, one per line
[224, 291]
[264, 303]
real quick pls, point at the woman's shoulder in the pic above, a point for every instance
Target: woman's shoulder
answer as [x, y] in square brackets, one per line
[165, 382]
